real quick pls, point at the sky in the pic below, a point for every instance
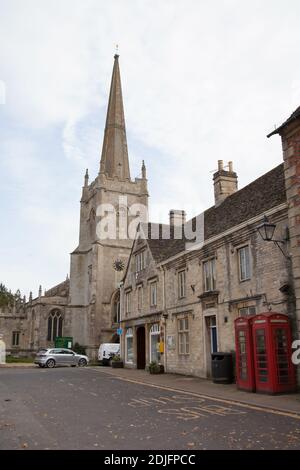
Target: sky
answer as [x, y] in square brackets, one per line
[202, 81]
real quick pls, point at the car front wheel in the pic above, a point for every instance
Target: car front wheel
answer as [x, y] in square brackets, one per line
[82, 362]
[50, 363]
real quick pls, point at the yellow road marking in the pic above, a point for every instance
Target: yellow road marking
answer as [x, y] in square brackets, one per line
[289, 414]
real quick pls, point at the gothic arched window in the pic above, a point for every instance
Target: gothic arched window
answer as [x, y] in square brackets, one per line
[32, 327]
[92, 224]
[55, 325]
[116, 308]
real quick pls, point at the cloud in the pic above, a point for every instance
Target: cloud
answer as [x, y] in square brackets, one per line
[200, 83]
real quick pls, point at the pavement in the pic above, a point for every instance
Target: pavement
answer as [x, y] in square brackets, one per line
[12, 365]
[204, 387]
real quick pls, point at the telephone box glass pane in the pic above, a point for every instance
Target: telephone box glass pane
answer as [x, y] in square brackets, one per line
[261, 354]
[281, 350]
[242, 356]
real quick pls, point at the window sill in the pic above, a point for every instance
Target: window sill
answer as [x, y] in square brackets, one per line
[209, 293]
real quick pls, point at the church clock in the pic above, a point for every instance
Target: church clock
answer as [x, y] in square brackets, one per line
[118, 265]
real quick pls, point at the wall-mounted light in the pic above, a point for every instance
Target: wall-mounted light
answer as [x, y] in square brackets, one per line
[266, 231]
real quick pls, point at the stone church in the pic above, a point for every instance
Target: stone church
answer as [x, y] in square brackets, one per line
[175, 303]
[86, 306]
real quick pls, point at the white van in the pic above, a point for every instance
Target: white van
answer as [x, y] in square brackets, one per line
[107, 351]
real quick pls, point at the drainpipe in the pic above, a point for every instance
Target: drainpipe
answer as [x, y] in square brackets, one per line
[165, 315]
[120, 324]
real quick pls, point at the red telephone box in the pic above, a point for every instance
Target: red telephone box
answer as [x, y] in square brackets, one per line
[274, 371]
[245, 376]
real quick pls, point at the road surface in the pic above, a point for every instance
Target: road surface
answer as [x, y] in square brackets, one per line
[85, 408]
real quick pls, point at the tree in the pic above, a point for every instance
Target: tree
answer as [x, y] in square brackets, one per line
[7, 298]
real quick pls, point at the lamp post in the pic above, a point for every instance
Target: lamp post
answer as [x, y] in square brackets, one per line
[266, 231]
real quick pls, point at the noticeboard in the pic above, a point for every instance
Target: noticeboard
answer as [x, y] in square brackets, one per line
[64, 342]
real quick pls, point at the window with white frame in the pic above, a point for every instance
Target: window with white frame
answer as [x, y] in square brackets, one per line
[128, 302]
[245, 311]
[140, 261]
[140, 297]
[16, 338]
[209, 275]
[154, 343]
[244, 263]
[183, 335]
[129, 345]
[181, 284]
[153, 294]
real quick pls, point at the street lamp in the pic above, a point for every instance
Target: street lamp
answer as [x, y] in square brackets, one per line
[266, 231]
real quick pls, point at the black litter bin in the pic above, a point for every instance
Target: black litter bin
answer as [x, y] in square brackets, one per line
[222, 368]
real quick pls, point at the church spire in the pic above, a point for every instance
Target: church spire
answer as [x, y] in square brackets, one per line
[114, 158]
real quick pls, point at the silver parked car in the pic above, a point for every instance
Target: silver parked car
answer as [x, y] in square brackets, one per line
[60, 357]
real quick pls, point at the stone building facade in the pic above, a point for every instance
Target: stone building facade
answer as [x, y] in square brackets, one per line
[203, 287]
[28, 326]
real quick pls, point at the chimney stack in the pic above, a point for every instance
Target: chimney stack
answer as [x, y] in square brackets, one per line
[177, 217]
[225, 182]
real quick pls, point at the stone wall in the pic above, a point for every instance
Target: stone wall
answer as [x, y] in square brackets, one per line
[269, 272]
[291, 155]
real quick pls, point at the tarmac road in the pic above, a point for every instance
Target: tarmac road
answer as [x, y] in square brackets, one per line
[85, 408]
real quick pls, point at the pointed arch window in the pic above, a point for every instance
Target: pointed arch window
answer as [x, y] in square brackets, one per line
[55, 325]
[92, 224]
[32, 327]
[116, 308]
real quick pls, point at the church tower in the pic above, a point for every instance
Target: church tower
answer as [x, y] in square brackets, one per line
[104, 246]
